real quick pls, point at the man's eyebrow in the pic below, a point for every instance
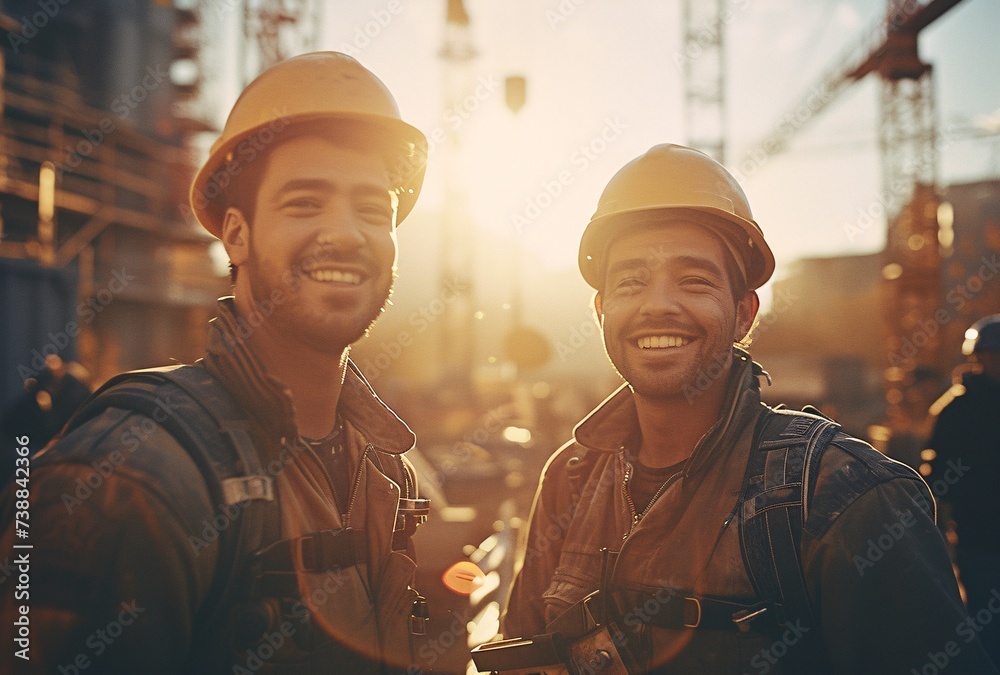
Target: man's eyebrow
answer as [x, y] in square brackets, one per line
[698, 262]
[305, 184]
[321, 185]
[627, 264]
[369, 190]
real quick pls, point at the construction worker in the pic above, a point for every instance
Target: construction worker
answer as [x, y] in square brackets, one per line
[50, 398]
[687, 527]
[965, 473]
[252, 512]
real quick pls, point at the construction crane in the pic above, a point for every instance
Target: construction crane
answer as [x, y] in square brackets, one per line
[906, 141]
[274, 30]
[702, 64]
[457, 329]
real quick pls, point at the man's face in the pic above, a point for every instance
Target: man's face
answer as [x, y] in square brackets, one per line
[667, 309]
[322, 240]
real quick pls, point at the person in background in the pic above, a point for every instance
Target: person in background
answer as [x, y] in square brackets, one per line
[49, 400]
[965, 475]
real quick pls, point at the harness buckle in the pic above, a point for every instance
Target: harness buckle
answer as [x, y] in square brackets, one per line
[696, 609]
[744, 617]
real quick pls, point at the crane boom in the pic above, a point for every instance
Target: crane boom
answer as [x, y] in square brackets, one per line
[870, 53]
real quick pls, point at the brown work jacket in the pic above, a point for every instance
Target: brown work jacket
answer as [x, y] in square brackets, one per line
[124, 534]
[881, 604]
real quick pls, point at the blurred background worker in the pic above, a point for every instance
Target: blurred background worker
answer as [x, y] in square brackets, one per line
[48, 401]
[965, 474]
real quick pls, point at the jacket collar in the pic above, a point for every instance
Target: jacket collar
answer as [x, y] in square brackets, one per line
[613, 423]
[268, 401]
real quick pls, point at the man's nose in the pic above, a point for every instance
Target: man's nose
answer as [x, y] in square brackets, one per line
[340, 229]
[660, 299]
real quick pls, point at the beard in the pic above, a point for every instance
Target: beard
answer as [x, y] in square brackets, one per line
[292, 303]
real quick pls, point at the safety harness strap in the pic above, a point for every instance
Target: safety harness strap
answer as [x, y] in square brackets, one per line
[319, 552]
[692, 611]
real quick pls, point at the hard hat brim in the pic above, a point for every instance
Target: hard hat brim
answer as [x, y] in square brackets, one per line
[597, 236]
[206, 200]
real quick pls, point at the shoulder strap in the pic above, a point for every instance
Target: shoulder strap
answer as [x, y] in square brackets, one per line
[578, 470]
[787, 448]
[194, 408]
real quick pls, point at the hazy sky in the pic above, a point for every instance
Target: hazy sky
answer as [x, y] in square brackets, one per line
[604, 75]
[604, 85]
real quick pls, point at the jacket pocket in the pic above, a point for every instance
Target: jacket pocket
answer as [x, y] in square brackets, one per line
[394, 607]
[568, 587]
[341, 607]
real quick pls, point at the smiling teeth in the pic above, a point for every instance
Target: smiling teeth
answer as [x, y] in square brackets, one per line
[662, 342]
[336, 275]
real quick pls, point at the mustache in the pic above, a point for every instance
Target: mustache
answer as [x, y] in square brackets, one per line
[664, 326]
[328, 255]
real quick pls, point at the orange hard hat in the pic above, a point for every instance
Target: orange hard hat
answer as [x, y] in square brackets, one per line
[675, 182]
[315, 87]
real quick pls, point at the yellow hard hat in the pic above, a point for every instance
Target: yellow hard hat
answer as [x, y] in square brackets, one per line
[672, 182]
[321, 86]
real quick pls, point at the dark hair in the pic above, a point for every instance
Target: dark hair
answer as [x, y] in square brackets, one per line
[241, 191]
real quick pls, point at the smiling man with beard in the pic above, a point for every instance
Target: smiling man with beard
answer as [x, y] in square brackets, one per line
[688, 527]
[253, 511]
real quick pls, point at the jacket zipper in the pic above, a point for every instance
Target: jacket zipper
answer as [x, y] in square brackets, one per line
[357, 484]
[636, 517]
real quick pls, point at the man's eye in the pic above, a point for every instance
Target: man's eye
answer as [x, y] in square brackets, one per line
[377, 211]
[698, 281]
[629, 282]
[302, 203]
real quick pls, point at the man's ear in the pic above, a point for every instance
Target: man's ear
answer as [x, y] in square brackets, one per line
[236, 236]
[746, 313]
[599, 307]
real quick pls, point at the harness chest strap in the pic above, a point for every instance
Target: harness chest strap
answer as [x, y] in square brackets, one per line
[774, 510]
[691, 611]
